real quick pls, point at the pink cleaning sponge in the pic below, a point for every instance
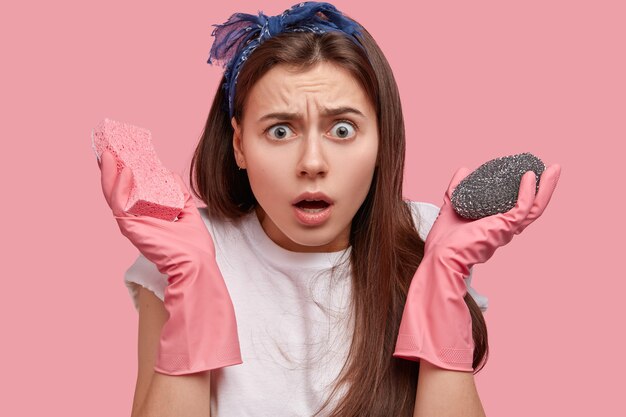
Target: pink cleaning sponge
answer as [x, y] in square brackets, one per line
[155, 191]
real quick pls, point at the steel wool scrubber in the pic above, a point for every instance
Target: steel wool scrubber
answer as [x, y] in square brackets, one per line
[493, 187]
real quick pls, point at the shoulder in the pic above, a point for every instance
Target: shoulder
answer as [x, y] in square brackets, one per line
[424, 209]
[209, 221]
[424, 215]
[223, 230]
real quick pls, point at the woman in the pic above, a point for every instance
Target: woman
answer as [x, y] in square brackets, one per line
[300, 166]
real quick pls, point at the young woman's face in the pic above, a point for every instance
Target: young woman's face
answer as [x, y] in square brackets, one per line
[311, 131]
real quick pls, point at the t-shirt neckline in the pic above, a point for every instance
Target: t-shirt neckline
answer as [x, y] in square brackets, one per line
[282, 257]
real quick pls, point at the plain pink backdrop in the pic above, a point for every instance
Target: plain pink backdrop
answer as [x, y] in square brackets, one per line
[478, 80]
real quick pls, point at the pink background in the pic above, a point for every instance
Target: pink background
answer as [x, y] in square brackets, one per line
[478, 80]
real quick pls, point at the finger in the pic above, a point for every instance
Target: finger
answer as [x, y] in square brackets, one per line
[121, 191]
[458, 176]
[547, 183]
[189, 203]
[527, 193]
[447, 211]
[108, 174]
[525, 200]
[184, 189]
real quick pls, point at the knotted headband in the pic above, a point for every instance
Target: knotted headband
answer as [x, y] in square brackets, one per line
[242, 33]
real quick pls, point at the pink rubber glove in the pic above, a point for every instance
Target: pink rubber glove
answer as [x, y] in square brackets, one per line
[201, 331]
[436, 323]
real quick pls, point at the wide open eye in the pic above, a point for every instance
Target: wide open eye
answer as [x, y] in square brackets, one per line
[343, 129]
[280, 131]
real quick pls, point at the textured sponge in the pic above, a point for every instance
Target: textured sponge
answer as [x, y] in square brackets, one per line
[155, 191]
[494, 186]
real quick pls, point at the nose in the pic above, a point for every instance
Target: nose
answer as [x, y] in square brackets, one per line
[312, 162]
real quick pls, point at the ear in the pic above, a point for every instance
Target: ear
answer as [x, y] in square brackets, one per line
[238, 144]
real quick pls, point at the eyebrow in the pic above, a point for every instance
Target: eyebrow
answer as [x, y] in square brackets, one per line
[325, 113]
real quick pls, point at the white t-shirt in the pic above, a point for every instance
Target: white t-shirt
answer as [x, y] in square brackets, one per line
[294, 328]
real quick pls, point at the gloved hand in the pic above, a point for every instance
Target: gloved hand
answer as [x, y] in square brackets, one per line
[201, 331]
[436, 324]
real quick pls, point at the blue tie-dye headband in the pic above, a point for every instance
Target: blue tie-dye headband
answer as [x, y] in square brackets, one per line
[242, 33]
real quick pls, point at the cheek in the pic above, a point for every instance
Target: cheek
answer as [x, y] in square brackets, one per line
[360, 163]
[361, 180]
[355, 174]
[267, 164]
[266, 175]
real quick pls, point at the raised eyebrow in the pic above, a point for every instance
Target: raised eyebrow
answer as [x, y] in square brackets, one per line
[325, 113]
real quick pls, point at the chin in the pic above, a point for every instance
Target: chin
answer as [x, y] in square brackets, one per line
[309, 236]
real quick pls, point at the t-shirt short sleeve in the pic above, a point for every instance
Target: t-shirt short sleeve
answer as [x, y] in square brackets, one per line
[144, 273]
[424, 216]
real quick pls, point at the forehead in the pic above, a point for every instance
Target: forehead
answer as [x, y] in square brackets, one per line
[324, 85]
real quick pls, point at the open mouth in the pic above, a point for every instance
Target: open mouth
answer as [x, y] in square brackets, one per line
[314, 206]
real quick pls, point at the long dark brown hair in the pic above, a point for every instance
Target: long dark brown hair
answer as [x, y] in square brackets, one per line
[386, 247]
